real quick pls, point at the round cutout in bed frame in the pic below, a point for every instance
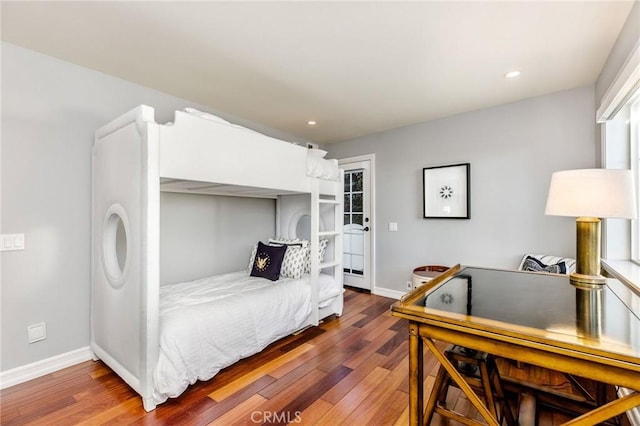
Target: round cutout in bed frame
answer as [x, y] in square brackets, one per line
[300, 225]
[115, 245]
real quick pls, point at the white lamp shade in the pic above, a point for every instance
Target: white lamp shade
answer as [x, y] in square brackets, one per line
[592, 193]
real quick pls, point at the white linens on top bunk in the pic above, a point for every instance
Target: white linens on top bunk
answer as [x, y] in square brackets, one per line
[317, 165]
[210, 323]
[321, 168]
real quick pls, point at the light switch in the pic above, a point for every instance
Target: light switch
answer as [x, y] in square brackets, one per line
[7, 242]
[12, 242]
[18, 242]
[393, 227]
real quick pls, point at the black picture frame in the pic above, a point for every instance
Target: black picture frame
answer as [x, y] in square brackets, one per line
[446, 191]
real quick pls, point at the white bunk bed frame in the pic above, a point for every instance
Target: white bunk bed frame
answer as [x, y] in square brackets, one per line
[133, 160]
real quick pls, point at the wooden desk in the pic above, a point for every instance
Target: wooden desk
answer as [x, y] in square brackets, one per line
[536, 318]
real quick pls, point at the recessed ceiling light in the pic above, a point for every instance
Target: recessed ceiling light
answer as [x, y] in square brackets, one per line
[512, 74]
[311, 123]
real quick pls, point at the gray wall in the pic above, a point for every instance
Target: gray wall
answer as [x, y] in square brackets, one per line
[513, 149]
[202, 235]
[50, 110]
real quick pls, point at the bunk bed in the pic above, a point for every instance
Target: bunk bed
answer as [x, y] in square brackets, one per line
[133, 160]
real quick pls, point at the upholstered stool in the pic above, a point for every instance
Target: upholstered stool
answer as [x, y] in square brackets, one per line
[481, 373]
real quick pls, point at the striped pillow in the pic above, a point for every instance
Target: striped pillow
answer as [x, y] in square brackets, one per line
[547, 263]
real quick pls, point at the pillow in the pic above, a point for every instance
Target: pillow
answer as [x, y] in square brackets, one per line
[293, 262]
[268, 261]
[534, 265]
[291, 258]
[252, 257]
[294, 258]
[547, 259]
[321, 252]
[318, 153]
[289, 241]
[305, 245]
[206, 115]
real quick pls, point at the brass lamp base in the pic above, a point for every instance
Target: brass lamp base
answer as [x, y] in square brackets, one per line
[589, 311]
[589, 281]
[587, 272]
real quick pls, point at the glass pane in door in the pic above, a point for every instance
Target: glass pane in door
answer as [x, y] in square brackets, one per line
[353, 222]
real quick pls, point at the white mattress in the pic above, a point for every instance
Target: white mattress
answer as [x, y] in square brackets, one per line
[209, 324]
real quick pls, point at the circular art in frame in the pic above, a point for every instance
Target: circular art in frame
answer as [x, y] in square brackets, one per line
[446, 191]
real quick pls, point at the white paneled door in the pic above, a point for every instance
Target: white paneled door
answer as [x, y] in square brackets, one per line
[358, 223]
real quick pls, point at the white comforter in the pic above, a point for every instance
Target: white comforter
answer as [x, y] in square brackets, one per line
[209, 324]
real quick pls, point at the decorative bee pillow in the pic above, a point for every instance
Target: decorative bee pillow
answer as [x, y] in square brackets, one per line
[293, 263]
[268, 261]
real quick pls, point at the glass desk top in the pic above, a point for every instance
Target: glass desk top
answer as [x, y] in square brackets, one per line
[546, 305]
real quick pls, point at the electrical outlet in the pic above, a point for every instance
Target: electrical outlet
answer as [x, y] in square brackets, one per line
[37, 332]
[409, 285]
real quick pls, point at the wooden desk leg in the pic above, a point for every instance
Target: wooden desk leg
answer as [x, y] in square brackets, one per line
[435, 394]
[416, 377]
[607, 411]
[462, 384]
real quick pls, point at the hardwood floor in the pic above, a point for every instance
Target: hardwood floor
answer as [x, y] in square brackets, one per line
[351, 370]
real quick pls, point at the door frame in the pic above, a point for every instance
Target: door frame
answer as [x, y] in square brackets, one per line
[371, 158]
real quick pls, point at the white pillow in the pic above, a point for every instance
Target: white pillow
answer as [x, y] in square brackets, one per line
[319, 153]
[293, 262]
[288, 241]
[252, 257]
[206, 115]
[305, 245]
[322, 250]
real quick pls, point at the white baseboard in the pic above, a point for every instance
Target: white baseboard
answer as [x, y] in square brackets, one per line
[40, 368]
[393, 294]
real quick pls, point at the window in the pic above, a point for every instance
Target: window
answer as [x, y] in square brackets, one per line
[353, 222]
[634, 139]
[621, 151]
[619, 113]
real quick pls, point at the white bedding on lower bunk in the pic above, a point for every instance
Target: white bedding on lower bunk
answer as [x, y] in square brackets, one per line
[210, 323]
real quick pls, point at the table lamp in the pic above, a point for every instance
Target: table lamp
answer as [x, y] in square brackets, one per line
[591, 194]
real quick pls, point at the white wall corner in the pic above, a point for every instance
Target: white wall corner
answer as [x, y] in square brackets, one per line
[41, 368]
[622, 87]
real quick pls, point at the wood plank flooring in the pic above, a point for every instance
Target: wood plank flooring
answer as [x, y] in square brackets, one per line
[351, 370]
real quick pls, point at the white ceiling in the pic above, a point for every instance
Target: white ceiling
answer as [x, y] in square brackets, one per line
[356, 68]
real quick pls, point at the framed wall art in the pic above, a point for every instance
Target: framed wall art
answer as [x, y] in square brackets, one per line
[445, 191]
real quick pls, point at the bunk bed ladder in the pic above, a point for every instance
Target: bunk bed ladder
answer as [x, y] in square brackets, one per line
[337, 232]
[334, 261]
[315, 246]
